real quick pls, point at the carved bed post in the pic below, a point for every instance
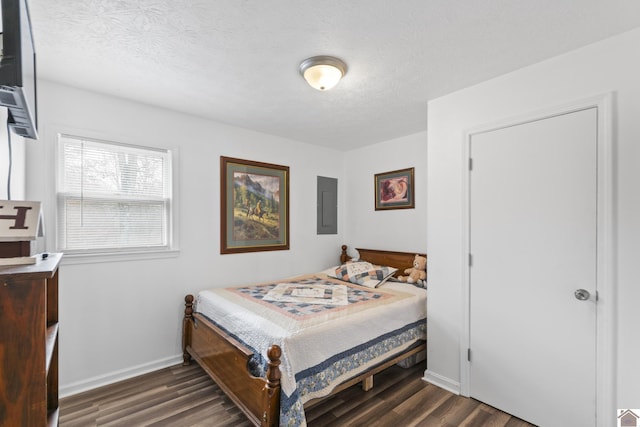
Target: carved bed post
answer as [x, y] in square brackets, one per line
[186, 329]
[271, 415]
[343, 256]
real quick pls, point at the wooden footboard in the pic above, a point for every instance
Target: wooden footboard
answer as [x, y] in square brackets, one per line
[227, 361]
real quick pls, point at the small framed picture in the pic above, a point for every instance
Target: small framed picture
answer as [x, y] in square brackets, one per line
[394, 190]
[254, 204]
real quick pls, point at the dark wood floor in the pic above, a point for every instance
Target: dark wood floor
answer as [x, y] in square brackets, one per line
[186, 397]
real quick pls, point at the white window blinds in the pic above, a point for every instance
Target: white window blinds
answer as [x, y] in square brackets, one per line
[112, 197]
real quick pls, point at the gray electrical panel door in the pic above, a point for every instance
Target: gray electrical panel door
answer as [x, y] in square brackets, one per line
[327, 205]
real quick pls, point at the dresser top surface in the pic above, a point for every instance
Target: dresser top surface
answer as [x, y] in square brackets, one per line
[42, 268]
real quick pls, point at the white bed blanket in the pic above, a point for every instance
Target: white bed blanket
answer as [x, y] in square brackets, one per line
[319, 321]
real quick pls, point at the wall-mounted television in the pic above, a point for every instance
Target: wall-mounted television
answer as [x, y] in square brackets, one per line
[18, 69]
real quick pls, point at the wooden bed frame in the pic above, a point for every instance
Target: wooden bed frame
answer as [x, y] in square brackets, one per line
[226, 360]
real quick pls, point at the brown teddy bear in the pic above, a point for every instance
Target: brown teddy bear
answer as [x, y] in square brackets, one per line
[418, 273]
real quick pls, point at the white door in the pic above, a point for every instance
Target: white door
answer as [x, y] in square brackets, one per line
[533, 244]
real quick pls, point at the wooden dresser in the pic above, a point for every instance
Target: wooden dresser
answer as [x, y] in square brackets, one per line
[29, 344]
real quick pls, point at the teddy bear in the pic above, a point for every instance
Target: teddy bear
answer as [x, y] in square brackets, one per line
[418, 273]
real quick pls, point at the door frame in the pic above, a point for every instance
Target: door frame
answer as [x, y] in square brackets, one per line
[605, 279]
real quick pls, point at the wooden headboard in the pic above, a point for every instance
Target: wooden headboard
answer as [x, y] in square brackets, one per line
[399, 260]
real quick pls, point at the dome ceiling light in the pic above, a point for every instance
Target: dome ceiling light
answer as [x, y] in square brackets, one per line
[322, 72]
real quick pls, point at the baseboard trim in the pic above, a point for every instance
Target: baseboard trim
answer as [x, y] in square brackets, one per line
[442, 382]
[123, 374]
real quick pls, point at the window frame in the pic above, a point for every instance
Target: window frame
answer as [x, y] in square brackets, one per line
[80, 256]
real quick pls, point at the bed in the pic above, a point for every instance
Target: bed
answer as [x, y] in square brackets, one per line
[277, 348]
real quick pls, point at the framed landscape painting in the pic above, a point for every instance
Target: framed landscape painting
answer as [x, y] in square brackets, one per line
[254, 206]
[394, 190]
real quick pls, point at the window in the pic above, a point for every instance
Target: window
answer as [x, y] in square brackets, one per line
[112, 197]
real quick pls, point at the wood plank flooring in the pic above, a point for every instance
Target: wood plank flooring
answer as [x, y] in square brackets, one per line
[186, 397]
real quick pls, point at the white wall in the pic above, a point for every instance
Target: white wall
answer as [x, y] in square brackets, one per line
[610, 65]
[18, 161]
[399, 229]
[122, 318]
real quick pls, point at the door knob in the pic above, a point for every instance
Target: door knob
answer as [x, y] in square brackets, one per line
[582, 294]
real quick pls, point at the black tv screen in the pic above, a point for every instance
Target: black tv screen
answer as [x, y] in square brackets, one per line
[18, 68]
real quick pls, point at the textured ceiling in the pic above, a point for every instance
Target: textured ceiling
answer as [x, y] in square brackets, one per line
[236, 61]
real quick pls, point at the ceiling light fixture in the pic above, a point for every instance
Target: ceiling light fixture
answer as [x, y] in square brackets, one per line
[322, 72]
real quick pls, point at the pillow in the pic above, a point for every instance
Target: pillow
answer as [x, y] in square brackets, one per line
[331, 271]
[364, 273]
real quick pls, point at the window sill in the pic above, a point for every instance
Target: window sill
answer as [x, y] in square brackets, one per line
[70, 259]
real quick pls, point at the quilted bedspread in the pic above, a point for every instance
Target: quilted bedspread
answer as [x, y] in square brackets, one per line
[329, 330]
